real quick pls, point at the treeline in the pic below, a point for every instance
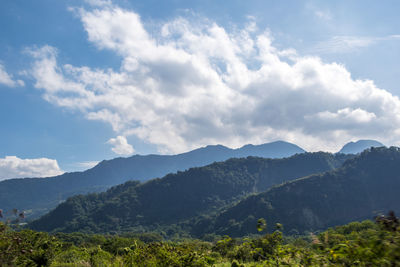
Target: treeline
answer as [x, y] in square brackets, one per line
[40, 195]
[365, 186]
[228, 197]
[364, 243]
[175, 199]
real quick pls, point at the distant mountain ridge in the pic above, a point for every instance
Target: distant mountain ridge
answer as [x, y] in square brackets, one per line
[39, 195]
[141, 168]
[202, 200]
[359, 146]
[181, 196]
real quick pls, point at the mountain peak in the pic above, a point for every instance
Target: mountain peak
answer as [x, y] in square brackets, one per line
[277, 149]
[359, 146]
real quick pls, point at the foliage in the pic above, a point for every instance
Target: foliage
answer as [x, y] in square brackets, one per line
[167, 204]
[365, 186]
[261, 224]
[366, 183]
[26, 248]
[30, 191]
[364, 243]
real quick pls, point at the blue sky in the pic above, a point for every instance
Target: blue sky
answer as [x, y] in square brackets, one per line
[83, 81]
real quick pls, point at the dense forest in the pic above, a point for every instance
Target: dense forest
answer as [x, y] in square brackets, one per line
[364, 243]
[240, 212]
[228, 197]
[39, 195]
[176, 198]
[363, 187]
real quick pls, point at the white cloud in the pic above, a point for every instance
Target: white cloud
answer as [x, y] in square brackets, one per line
[121, 146]
[194, 84]
[100, 3]
[347, 114]
[14, 167]
[346, 44]
[7, 79]
[87, 164]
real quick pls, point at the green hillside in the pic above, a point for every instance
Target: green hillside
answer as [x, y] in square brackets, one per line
[37, 196]
[181, 196]
[365, 186]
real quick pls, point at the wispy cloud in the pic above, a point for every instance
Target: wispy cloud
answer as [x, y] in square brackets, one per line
[191, 84]
[323, 14]
[99, 3]
[7, 79]
[346, 44]
[87, 164]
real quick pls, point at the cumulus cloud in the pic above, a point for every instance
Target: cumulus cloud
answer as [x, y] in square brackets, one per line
[121, 146]
[7, 80]
[14, 167]
[188, 84]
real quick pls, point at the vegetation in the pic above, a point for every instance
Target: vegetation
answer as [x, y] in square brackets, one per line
[181, 201]
[227, 198]
[152, 223]
[37, 196]
[364, 243]
[365, 186]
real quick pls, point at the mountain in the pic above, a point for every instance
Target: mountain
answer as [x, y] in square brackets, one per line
[39, 195]
[181, 196]
[362, 188]
[278, 149]
[359, 146]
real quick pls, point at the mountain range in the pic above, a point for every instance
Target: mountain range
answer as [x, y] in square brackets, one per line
[39, 195]
[183, 195]
[228, 197]
[36, 196]
[364, 187]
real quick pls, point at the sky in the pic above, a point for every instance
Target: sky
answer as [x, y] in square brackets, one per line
[84, 81]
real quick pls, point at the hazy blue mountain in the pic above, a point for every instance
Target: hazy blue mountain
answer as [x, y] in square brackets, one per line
[181, 196]
[278, 149]
[362, 188]
[359, 146]
[38, 195]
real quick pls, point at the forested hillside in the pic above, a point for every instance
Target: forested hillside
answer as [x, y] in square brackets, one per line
[39, 195]
[364, 187]
[181, 196]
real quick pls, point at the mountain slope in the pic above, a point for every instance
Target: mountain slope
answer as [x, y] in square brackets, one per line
[38, 195]
[180, 196]
[365, 186]
[359, 146]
